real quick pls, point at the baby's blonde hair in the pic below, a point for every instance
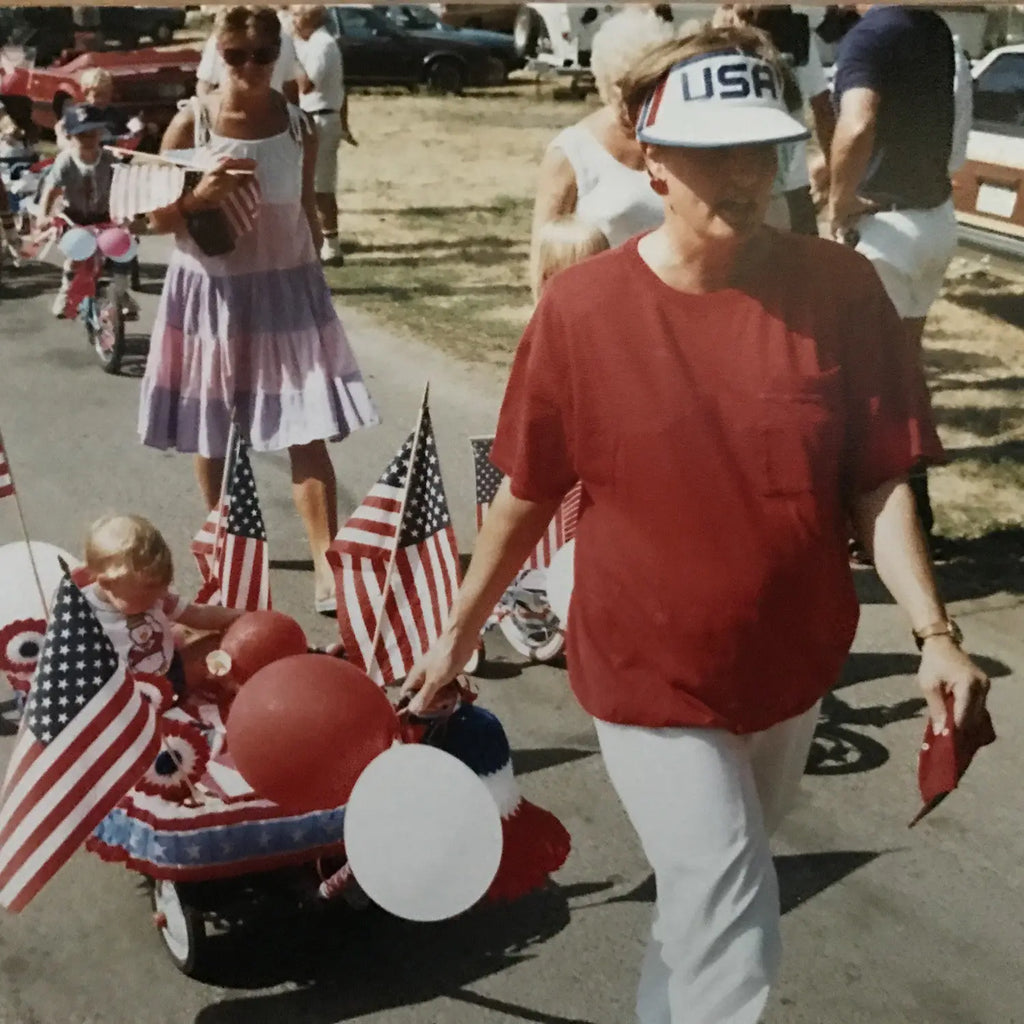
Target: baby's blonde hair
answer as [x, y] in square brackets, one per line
[563, 242]
[118, 546]
[95, 78]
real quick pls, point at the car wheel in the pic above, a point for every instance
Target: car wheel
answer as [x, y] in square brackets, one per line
[526, 32]
[445, 76]
[163, 34]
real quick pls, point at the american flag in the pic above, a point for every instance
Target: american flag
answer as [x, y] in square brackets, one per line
[6, 481]
[562, 527]
[139, 188]
[88, 735]
[414, 602]
[231, 545]
[136, 189]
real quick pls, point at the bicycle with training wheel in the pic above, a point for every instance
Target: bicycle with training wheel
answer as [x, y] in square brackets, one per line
[98, 292]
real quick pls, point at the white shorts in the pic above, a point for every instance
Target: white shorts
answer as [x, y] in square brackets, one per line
[704, 803]
[910, 250]
[328, 137]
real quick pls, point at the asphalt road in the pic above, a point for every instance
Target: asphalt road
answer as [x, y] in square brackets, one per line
[881, 925]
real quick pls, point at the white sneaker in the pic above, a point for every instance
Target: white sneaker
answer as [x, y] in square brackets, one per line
[330, 251]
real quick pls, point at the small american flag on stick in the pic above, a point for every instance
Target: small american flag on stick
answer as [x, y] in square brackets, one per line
[140, 188]
[88, 735]
[562, 527]
[396, 562]
[231, 545]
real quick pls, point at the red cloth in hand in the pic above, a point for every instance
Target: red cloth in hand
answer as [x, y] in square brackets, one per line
[945, 757]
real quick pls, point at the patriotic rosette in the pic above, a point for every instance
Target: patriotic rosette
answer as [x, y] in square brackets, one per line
[156, 689]
[231, 832]
[536, 843]
[180, 764]
[20, 644]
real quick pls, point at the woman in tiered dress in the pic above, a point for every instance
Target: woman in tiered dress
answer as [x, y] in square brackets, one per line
[252, 334]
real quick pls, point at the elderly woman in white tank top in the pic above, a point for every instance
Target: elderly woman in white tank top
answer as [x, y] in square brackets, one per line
[595, 168]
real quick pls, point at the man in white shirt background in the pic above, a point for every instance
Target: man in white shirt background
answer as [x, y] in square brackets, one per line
[211, 66]
[322, 96]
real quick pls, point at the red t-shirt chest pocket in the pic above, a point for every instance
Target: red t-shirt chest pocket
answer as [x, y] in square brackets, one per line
[801, 433]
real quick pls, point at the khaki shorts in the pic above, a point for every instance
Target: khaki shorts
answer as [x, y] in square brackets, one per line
[328, 132]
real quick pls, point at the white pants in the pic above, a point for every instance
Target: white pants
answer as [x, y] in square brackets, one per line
[910, 250]
[704, 802]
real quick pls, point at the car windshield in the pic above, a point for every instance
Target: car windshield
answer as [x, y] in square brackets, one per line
[413, 16]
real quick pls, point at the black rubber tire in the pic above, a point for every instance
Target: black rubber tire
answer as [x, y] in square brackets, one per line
[108, 341]
[163, 34]
[187, 949]
[526, 32]
[445, 76]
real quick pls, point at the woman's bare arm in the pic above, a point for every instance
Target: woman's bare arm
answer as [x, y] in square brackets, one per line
[180, 134]
[556, 197]
[509, 533]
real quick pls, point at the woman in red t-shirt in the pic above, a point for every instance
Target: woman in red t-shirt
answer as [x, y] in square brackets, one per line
[730, 397]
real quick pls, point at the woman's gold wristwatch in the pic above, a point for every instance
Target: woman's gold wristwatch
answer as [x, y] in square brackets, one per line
[944, 627]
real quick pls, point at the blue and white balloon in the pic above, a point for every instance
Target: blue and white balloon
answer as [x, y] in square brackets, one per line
[78, 244]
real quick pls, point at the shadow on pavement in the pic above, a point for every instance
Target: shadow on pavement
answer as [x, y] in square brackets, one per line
[968, 569]
[801, 876]
[840, 745]
[350, 964]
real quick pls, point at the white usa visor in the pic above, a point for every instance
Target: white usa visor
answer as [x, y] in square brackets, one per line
[726, 98]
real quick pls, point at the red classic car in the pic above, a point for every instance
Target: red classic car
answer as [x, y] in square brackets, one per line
[149, 83]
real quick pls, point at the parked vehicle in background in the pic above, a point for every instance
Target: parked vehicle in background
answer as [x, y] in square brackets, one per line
[378, 52]
[559, 36]
[988, 191]
[147, 83]
[496, 17]
[47, 31]
[129, 25]
[51, 31]
[421, 20]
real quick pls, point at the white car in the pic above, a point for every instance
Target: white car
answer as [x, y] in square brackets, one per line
[988, 190]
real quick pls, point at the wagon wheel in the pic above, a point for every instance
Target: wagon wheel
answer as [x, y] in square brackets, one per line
[181, 928]
[476, 659]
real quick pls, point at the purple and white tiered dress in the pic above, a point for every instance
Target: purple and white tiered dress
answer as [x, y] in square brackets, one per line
[253, 333]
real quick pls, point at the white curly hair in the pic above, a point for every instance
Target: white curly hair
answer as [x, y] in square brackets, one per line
[621, 41]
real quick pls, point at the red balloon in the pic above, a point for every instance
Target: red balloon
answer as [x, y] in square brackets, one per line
[302, 730]
[256, 639]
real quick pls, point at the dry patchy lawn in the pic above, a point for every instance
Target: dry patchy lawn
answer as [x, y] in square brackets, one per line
[436, 208]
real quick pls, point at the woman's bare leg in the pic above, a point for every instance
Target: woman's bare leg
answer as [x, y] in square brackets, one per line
[316, 497]
[209, 473]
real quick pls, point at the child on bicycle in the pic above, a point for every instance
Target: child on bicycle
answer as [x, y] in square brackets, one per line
[130, 570]
[81, 177]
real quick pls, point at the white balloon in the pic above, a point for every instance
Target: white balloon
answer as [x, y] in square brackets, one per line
[422, 833]
[560, 580]
[19, 595]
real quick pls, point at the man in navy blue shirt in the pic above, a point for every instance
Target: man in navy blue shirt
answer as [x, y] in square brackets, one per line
[890, 189]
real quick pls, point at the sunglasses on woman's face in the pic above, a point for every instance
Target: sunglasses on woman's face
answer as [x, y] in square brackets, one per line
[236, 56]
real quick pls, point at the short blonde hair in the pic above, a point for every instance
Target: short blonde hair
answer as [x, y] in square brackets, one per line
[620, 42]
[562, 243]
[95, 78]
[263, 20]
[117, 546]
[652, 66]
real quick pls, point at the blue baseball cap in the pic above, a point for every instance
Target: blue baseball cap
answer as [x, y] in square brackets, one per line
[82, 117]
